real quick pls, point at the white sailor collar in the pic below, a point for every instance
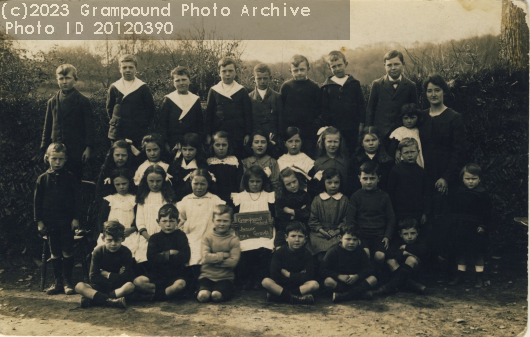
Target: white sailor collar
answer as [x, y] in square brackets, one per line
[184, 104]
[220, 89]
[326, 196]
[120, 85]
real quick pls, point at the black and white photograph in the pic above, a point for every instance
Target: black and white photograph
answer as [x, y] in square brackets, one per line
[264, 168]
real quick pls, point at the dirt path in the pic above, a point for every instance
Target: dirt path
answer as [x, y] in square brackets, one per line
[499, 310]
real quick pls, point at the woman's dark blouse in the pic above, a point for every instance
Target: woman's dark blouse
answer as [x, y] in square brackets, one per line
[443, 139]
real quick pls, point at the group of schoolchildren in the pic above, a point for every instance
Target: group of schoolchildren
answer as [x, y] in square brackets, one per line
[168, 199]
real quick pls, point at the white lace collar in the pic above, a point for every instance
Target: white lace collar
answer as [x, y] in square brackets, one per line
[120, 85]
[235, 87]
[230, 160]
[184, 102]
[326, 196]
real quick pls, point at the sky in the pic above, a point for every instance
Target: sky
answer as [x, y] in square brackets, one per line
[371, 21]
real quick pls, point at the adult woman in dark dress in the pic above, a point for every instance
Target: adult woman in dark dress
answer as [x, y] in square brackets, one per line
[443, 139]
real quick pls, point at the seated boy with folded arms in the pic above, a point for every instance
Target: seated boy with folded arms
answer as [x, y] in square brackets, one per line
[292, 269]
[404, 259]
[168, 252]
[347, 269]
[220, 255]
[111, 271]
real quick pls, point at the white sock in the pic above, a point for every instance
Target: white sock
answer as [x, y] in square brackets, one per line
[462, 267]
[479, 269]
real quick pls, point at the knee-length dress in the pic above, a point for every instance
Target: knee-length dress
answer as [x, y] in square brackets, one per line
[195, 215]
[327, 213]
[122, 208]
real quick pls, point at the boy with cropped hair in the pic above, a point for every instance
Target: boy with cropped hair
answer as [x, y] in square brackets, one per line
[292, 270]
[229, 108]
[301, 103]
[404, 259]
[370, 210]
[220, 255]
[69, 120]
[111, 271]
[267, 107]
[130, 104]
[343, 104]
[57, 208]
[346, 268]
[388, 94]
[168, 252]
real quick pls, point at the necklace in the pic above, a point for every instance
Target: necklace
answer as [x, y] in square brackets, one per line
[250, 195]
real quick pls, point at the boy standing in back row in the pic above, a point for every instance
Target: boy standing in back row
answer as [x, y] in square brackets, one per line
[343, 103]
[389, 93]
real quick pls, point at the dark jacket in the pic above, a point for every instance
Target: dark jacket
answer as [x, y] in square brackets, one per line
[231, 115]
[172, 128]
[137, 112]
[267, 113]
[301, 104]
[72, 125]
[342, 106]
[384, 104]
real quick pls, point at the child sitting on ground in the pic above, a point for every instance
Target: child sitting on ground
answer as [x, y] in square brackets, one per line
[346, 268]
[111, 271]
[292, 271]
[370, 210]
[57, 205]
[404, 258]
[220, 255]
[168, 253]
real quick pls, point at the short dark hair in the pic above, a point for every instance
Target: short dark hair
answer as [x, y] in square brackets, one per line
[369, 167]
[406, 142]
[334, 56]
[287, 172]
[225, 62]
[222, 209]
[349, 229]
[472, 168]
[64, 69]
[168, 210]
[408, 223]
[411, 109]
[290, 132]
[129, 58]
[393, 53]
[329, 173]
[295, 226]
[437, 80]
[114, 229]
[180, 71]
[262, 68]
[298, 59]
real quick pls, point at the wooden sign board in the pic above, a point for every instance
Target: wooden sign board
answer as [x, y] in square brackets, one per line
[253, 225]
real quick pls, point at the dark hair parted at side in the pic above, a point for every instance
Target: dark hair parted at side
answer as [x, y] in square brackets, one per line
[180, 71]
[435, 79]
[349, 229]
[113, 228]
[290, 132]
[296, 226]
[299, 59]
[408, 223]
[261, 133]
[393, 53]
[369, 167]
[226, 61]
[256, 171]
[143, 188]
[168, 210]
[262, 68]
[473, 169]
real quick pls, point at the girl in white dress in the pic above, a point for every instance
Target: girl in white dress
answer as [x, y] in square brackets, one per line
[154, 192]
[255, 253]
[120, 206]
[411, 116]
[196, 214]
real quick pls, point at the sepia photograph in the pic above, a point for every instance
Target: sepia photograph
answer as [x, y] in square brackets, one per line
[264, 168]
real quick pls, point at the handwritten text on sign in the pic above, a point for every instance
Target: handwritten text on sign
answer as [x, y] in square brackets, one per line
[253, 225]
